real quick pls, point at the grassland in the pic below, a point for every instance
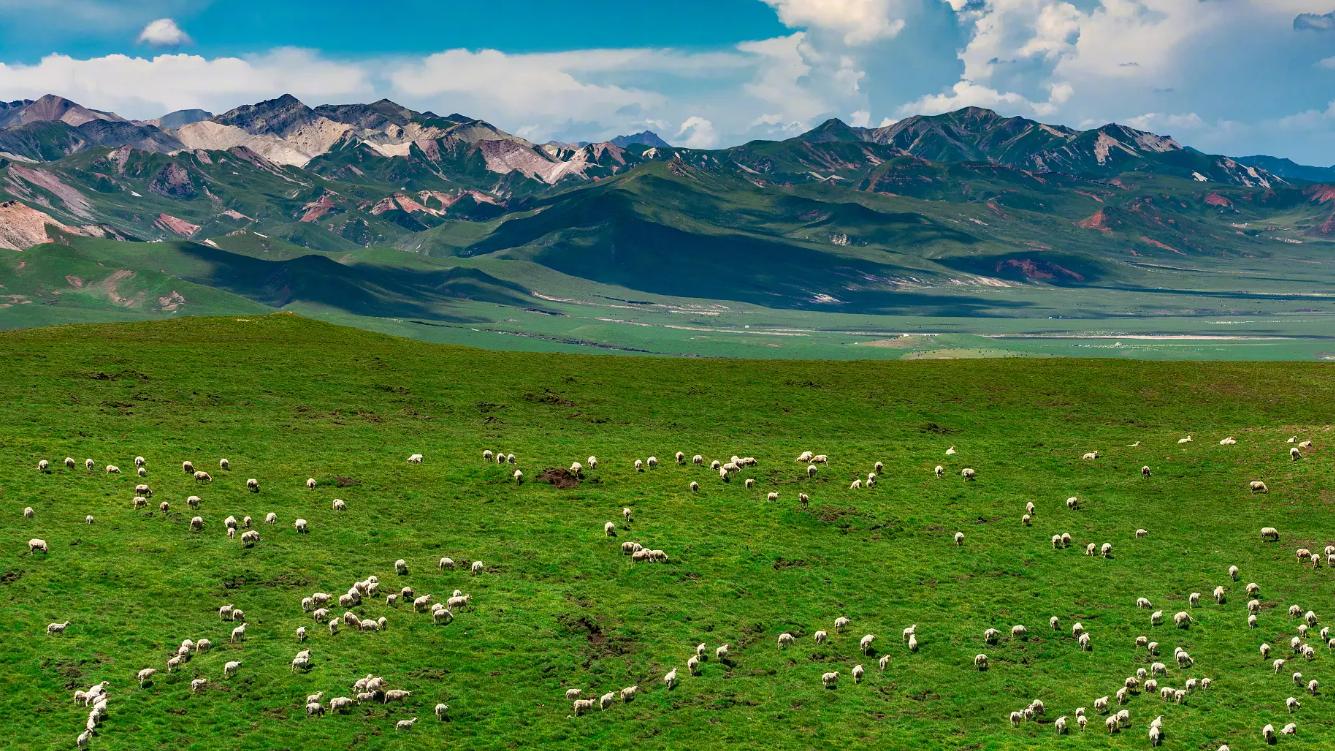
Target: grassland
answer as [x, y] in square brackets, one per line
[1241, 310]
[286, 398]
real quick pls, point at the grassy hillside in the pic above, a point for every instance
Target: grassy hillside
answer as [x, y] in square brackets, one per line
[559, 607]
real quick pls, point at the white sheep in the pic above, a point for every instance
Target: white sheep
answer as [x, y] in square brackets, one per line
[1270, 534]
[940, 471]
[57, 628]
[820, 637]
[230, 668]
[36, 544]
[785, 640]
[980, 661]
[202, 476]
[477, 568]
[968, 473]
[1256, 486]
[239, 633]
[840, 624]
[865, 643]
[857, 673]
[670, 680]
[772, 496]
[830, 680]
[680, 457]
[405, 724]
[959, 538]
[1090, 456]
[652, 462]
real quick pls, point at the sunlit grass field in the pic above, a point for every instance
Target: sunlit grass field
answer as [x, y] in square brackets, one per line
[558, 606]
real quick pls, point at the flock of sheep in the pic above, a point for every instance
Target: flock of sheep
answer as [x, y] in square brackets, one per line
[1151, 680]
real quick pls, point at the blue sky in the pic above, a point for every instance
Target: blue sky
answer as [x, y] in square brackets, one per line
[1226, 76]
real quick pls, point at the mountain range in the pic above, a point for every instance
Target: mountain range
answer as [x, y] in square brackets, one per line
[837, 219]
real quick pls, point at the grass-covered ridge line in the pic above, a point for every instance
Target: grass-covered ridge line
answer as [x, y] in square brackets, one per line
[286, 398]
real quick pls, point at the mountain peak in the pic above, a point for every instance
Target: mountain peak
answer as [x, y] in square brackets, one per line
[643, 138]
[274, 116]
[832, 130]
[51, 108]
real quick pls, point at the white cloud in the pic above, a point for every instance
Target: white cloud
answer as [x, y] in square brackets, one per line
[1328, 63]
[1163, 122]
[536, 86]
[163, 33]
[970, 94]
[697, 133]
[860, 119]
[859, 21]
[148, 87]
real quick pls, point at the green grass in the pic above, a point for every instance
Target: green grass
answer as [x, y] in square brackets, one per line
[287, 398]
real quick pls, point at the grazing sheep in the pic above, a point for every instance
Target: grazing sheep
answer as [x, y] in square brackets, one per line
[1105, 550]
[477, 568]
[1289, 729]
[785, 640]
[680, 457]
[1182, 619]
[695, 487]
[639, 465]
[1268, 733]
[405, 724]
[1181, 441]
[1269, 534]
[670, 680]
[1145, 471]
[202, 476]
[1073, 503]
[57, 628]
[1313, 687]
[855, 485]
[1142, 533]
[112, 469]
[253, 485]
[1257, 486]
[865, 643]
[652, 462]
[980, 661]
[721, 654]
[1060, 725]
[300, 526]
[628, 694]
[143, 490]
[239, 633]
[1156, 618]
[1090, 456]
[199, 684]
[230, 668]
[811, 470]
[36, 544]
[693, 665]
[913, 643]
[940, 471]
[969, 474]
[991, 636]
[829, 680]
[857, 673]
[1219, 595]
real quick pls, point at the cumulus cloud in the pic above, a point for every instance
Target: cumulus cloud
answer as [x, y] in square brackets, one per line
[697, 133]
[1328, 63]
[148, 87]
[859, 21]
[1315, 21]
[163, 32]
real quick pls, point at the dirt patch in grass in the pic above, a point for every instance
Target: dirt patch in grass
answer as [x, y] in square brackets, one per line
[345, 482]
[835, 513]
[783, 563]
[9, 577]
[561, 478]
[548, 397]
